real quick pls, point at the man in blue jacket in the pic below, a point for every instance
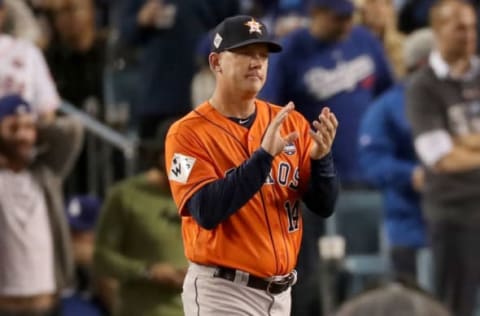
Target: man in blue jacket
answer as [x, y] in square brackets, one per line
[332, 64]
[388, 160]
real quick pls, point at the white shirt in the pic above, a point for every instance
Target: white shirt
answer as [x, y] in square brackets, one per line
[23, 70]
[26, 249]
[443, 70]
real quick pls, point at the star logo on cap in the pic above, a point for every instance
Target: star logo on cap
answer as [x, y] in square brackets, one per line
[254, 26]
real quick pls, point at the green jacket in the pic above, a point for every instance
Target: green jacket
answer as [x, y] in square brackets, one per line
[139, 225]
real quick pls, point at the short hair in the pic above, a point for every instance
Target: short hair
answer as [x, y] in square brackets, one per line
[435, 13]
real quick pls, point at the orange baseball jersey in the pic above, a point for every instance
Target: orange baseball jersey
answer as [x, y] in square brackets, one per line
[263, 237]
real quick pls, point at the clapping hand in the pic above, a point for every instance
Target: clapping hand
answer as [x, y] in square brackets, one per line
[324, 134]
[273, 142]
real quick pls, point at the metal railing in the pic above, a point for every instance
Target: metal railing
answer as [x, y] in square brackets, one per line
[100, 144]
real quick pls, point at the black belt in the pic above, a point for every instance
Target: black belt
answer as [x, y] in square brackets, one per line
[272, 287]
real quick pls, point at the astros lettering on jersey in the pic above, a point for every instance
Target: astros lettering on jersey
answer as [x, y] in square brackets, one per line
[263, 237]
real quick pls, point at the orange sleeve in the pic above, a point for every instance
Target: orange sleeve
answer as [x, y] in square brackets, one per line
[188, 165]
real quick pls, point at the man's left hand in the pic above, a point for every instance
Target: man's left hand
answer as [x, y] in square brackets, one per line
[324, 134]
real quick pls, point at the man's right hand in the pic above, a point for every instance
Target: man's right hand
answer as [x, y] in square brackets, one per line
[470, 141]
[273, 142]
[167, 275]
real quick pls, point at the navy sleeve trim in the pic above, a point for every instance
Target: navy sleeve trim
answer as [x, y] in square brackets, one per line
[323, 187]
[218, 200]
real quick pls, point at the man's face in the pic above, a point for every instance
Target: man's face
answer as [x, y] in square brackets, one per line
[329, 25]
[83, 242]
[72, 17]
[456, 32]
[18, 135]
[244, 69]
[376, 13]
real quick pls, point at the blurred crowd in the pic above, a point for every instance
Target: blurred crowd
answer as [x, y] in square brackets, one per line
[401, 76]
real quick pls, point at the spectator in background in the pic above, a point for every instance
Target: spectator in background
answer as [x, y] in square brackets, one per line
[76, 54]
[23, 71]
[285, 16]
[393, 299]
[380, 18]
[139, 241]
[414, 15]
[168, 32]
[328, 64]
[443, 109]
[36, 261]
[388, 159]
[331, 64]
[92, 296]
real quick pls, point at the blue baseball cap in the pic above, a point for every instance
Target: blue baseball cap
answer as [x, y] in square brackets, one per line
[13, 104]
[82, 212]
[339, 7]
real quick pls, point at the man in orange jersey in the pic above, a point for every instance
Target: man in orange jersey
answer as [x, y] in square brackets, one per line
[238, 168]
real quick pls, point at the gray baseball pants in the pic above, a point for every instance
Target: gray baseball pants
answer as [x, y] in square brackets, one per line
[205, 295]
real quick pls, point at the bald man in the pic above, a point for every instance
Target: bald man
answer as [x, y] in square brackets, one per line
[443, 105]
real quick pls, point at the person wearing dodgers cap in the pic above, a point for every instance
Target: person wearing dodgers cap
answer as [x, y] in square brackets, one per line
[13, 104]
[82, 212]
[14, 150]
[91, 292]
[36, 257]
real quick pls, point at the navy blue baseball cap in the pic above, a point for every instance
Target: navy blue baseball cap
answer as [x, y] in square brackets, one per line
[241, 30]
[339, 7]
[13, 104]
[82, 212]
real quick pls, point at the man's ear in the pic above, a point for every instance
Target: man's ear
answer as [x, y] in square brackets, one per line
[214, 61]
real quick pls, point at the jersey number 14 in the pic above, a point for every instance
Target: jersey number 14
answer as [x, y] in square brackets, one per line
[292, 210]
